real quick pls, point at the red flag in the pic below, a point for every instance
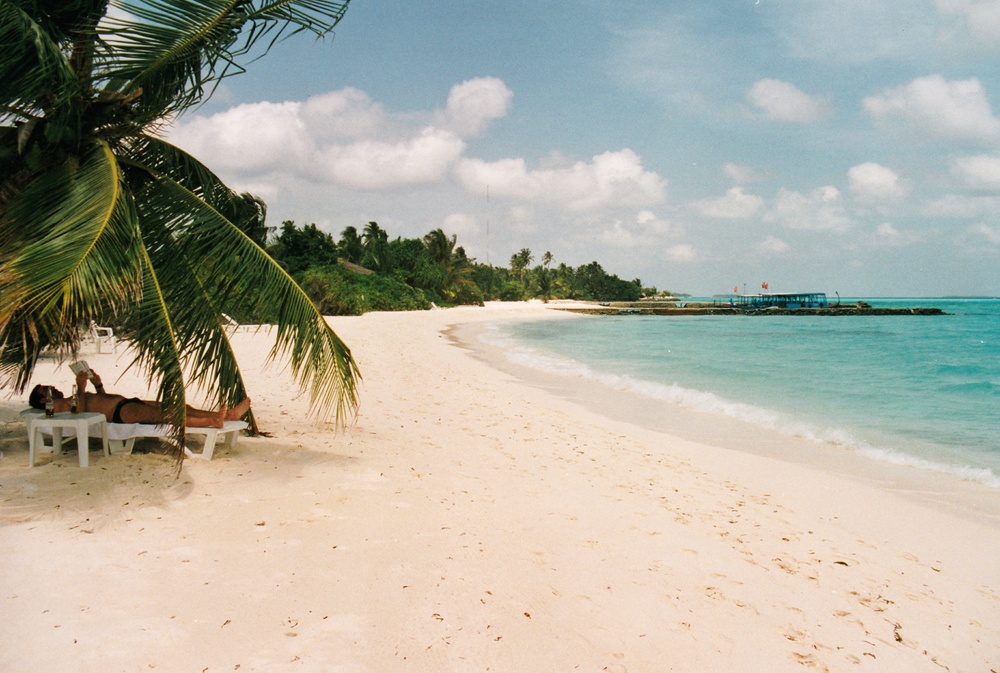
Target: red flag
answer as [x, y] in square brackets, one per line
[764, 285]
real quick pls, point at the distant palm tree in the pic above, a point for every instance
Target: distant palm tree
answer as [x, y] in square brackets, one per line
[375, 241]
[519, 261]
[453, 262]
[99, 216]
[350, 246]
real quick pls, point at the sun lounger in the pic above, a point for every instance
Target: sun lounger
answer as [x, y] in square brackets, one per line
[121, 436]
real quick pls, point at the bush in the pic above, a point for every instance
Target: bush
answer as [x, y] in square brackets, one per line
[337, 291]
[512, 291]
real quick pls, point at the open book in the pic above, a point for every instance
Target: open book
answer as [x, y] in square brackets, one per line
[81, 367]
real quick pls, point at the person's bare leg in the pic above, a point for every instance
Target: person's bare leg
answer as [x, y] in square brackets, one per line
[200, 418]
[206, 420]
[237, 412]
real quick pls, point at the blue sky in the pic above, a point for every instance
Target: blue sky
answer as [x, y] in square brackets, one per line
[849, 147]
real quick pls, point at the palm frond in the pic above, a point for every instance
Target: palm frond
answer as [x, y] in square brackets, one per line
[34, 73]
[157, 353]
[208, 258]
[71, 250]
[157, 157]
[316, 16]
[194, 305]
[174, 49]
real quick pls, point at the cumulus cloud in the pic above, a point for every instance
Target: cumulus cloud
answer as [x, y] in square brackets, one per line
[248, 139]
[957, 109]
[822, 209]
[978, 172]
[735, 205]
[345, 114]
[609, 179]
[474, 103]
[343, 137]
[783, 101]
[374, 164]
[875, 182]
[645, 229]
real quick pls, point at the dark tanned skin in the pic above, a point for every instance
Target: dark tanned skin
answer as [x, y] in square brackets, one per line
[147, 412]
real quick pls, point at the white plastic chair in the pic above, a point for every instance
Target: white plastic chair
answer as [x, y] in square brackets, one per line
[102, 335]
[230, 324]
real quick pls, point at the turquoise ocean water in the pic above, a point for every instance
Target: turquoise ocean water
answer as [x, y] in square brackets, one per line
[917, 390]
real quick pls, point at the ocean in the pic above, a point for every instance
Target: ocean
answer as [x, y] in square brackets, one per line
[922, 391]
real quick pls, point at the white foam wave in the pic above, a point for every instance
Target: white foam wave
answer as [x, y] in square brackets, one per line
[701, 401]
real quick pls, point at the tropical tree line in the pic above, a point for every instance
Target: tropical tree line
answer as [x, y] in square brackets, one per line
[367, 270]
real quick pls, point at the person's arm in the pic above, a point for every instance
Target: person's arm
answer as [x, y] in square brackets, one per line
[81, 393]
[95, 378]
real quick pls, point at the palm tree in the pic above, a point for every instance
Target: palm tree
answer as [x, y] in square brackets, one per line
[350, 246]
[519, 262]
[375, 241]
[453, 263]
[99, 216]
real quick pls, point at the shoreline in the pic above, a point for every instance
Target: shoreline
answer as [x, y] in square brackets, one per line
[942, 486]
[469, 520]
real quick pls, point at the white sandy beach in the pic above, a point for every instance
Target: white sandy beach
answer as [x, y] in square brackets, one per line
[470, 520]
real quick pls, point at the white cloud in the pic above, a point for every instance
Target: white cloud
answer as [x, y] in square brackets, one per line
[341, 137]
[875, 182]
[888, 236]
[646, 229]
[683, 252]
[460, 224]
[373, 164]
[772, 246]
[346, 114]
[609, 179]
[987, 233]
[783, 101]
[853, 31]
[741, 175]
[249, 139]
[735, 205]
[955, 205]
[978, 172]
[978, 18]
[474, 103]
[822, 209]
[956, 109]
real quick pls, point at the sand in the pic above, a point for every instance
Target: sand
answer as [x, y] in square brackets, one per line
[474, 520]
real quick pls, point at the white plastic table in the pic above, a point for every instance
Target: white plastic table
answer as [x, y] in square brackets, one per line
[78, 423]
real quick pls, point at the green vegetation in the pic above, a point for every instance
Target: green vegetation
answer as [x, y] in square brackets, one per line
[368, 272]
[102, 219]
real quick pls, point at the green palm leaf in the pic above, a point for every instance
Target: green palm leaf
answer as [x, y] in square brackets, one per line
[79, 257]
[172, 50]
[197, 246]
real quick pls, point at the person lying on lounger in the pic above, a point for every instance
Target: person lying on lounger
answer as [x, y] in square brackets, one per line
[121, 409]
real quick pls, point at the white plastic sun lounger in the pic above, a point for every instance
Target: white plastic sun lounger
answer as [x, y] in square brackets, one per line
[121, 436]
